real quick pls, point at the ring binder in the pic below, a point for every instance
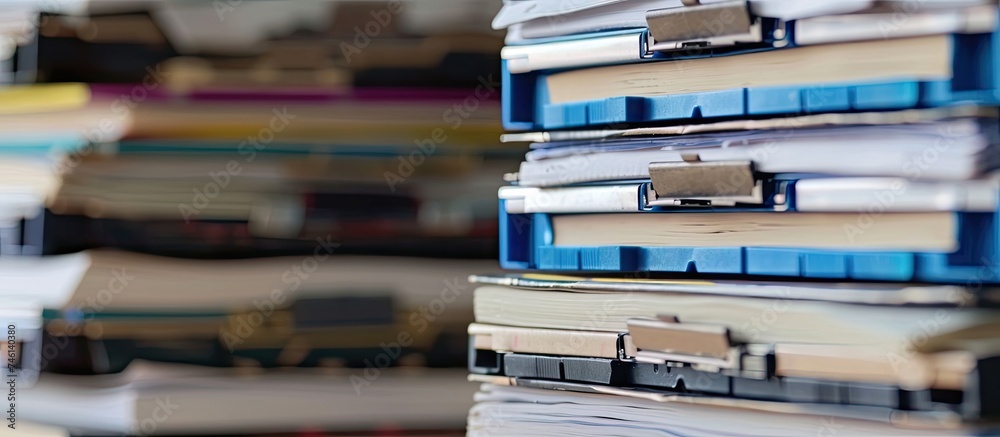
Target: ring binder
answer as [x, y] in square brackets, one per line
[527, 104]
[972, 401]
[526, 242]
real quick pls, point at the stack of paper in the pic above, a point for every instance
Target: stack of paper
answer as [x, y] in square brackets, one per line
[698, 154]
[245, 217]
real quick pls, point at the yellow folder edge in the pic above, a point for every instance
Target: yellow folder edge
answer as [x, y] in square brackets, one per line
[549, 277]
[21, 99]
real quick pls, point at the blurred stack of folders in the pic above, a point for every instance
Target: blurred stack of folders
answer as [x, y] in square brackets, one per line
[781, 217]
[253, 218]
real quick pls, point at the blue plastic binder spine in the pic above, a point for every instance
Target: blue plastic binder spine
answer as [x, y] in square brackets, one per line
[526, 242]
[976, 79]
[518, 112]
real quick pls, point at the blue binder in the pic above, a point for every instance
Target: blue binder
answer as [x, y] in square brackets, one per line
[526, 243]
[526, 103]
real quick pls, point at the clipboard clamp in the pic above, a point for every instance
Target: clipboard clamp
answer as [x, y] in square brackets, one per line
[705, 347]
[697, 25]
[697, 183]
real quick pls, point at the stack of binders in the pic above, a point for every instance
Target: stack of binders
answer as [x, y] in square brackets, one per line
[778, 218]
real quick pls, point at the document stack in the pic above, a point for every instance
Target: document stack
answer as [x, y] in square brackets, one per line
[775, 218]
[246, 217]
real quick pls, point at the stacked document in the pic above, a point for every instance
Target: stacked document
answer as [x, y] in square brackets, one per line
[243, 171]
[177, 400]
[244, 218]
[879, 359]
[696, 155]
[851, 170]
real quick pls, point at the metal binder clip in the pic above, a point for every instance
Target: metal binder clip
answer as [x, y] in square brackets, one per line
[704, 347]
[696, 341]
[697, 183]
[702, 25]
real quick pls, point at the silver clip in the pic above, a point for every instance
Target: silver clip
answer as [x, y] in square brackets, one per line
[670, 337]
[702, 25]
[693, 182]
[665, 340]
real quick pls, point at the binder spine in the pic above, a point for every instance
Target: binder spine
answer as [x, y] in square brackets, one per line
[337, 331]
[526, 242]
[526, 104]
[623, 373]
